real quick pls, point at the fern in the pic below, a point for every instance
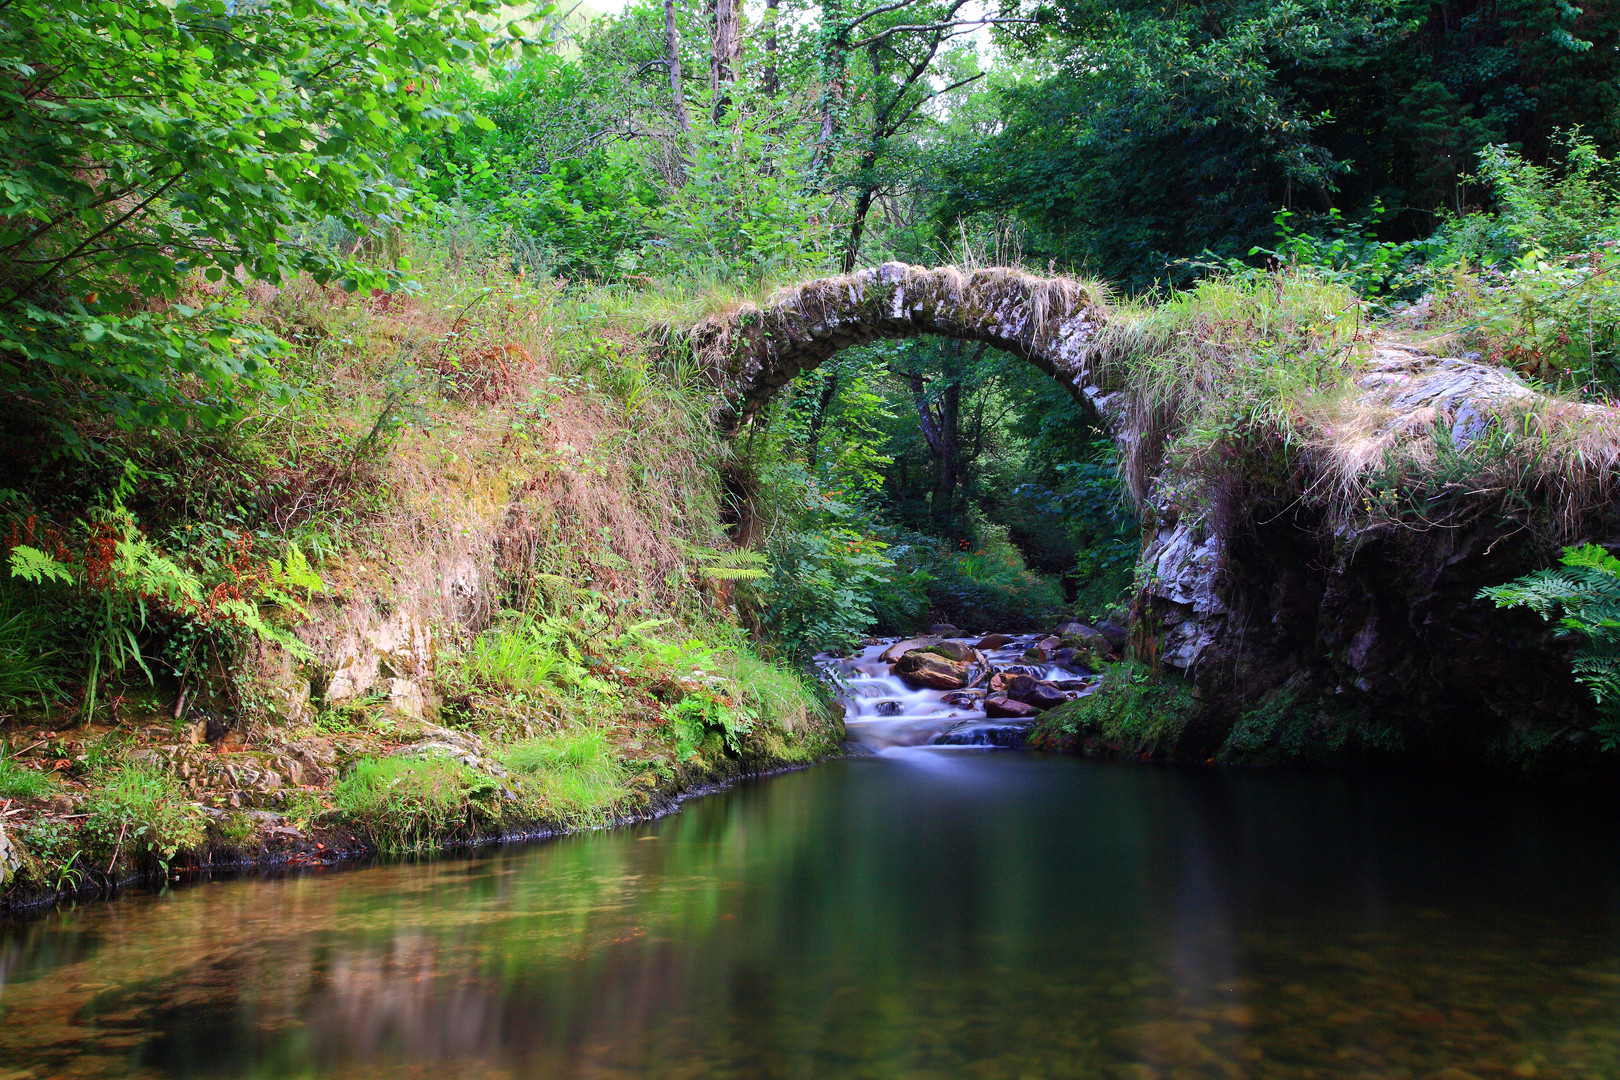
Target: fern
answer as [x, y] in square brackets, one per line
[38, 567]
[1584, 595]
[738, 565]
[295, 573]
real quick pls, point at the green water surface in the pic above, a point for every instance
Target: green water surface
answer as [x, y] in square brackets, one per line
[936, 914]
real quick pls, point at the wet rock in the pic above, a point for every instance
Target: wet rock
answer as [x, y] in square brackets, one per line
[900, 648]
[1035, 693]
[1062, 656]
[944, 629]
[994, 641]
[1036, 655]
[980, 734]
[888, 708]
[1050, 644]
[960, 699]
[1002, 706]
[926, 669]
[1115, 634]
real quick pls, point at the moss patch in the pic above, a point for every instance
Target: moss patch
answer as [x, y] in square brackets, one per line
[1291, 727]
[1136, 711]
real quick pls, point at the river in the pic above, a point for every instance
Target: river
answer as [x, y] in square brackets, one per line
[926, 913]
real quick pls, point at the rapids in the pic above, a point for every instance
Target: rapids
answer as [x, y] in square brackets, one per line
[882, 713]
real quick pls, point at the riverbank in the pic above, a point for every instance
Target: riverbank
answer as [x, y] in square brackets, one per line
[444, 790]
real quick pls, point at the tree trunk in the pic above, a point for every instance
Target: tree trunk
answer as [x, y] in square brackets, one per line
[939, 431]
[672, 44]
[769, 80]
[832, 49]
[829, 390]
[852, 249]
[724, 46]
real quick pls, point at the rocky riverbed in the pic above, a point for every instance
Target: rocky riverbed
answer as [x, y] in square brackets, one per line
[950, 689]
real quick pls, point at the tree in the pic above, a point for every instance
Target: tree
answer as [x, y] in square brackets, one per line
[1166, 130]
[157, 155]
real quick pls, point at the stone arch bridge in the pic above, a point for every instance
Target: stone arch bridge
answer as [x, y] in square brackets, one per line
[1358, 637]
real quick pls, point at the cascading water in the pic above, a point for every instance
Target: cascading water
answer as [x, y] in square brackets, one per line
[883, 712]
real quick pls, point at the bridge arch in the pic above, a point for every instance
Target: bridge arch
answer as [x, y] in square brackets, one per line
[1054, 323]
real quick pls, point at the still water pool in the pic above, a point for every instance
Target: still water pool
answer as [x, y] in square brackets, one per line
[932, 914]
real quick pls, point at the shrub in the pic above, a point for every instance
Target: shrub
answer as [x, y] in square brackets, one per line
[1135, 706]
[141, 815]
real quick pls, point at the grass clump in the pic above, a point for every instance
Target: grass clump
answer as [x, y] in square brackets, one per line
[407, 804]
[1230, 368]
[139, 816]
[1135, 710]
[17, 781]
[571, 777]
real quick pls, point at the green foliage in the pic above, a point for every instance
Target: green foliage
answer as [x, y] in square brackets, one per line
[107, 588]
[1286, 729]
[32, 659]
[1583, 594]
[161, 154]
[823, 587]
[980, 581]
[1165, 130]
[407, 804]
[141, 815]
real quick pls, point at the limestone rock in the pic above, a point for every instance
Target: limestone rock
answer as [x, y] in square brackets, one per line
[11, 857]
[1113, 633]
[1035, 693]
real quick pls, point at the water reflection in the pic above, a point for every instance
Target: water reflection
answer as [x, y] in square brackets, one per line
[939, 914]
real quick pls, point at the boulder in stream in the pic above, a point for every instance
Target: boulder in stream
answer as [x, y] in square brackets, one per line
[1035, 693]
[1083, 638]
[944, 629]
[994, 641]
[930, 670]
[900, 648]
[1113, 633]
[1000, 705]
[952, 650]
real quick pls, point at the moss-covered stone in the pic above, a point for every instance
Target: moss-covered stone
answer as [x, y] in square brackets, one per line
[1135, 711]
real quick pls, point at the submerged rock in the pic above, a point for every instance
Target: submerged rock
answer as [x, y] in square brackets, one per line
[930, 670]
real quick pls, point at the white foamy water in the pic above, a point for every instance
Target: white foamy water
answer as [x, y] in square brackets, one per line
[883, 713]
